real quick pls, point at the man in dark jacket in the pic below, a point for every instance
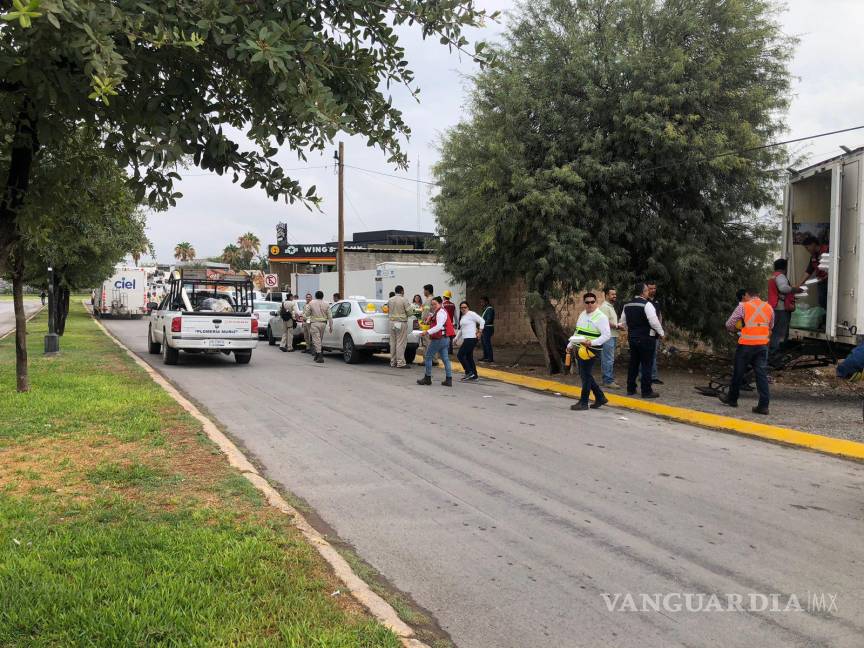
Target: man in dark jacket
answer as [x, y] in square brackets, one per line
[488, 315]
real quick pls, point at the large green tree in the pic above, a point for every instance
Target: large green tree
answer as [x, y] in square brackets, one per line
[598, 152]
[171, 80]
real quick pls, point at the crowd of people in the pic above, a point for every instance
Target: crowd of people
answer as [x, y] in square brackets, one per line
[761, 328]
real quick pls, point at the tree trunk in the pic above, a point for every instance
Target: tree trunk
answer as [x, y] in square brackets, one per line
[62, 310]
[550, 334]
[21, 374]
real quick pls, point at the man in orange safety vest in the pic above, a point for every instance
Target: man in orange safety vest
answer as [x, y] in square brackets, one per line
[757, 319]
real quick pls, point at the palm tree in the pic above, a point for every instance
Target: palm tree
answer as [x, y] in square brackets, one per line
[184, 251]
[249, 244]
[143, 246]
[231, 256]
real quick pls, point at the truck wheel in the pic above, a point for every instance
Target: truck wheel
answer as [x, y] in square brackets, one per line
[152, 347]
[270, 339]
[169, 356]
[410, 354]
[349, 351]
[242, 357]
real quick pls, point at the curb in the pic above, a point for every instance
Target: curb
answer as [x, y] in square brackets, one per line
[377, 606]
[787, 436]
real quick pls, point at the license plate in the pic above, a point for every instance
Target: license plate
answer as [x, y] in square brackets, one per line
[217, 343]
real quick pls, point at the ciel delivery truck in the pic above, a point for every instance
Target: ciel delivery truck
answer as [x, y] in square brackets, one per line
[124, 294]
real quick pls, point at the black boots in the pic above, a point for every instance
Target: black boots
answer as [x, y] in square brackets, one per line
[425, 380]
[319, 357]
[447, 382]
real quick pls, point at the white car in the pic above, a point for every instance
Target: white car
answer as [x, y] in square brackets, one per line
[361, 327]
[263, 311]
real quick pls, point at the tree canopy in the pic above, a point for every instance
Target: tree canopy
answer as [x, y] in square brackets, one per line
[605, 148]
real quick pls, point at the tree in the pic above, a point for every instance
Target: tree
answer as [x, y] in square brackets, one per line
[249, 245]
[142, 246]
[175, 80]
[80, 232]
[184, 251]
[231, 256]
[600, 151]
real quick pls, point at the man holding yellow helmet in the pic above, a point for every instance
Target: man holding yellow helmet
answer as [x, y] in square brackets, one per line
[592, 331]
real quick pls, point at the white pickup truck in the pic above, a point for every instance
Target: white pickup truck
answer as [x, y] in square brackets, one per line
[202, 313]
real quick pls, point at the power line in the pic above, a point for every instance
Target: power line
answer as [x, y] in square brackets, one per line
[393, 175]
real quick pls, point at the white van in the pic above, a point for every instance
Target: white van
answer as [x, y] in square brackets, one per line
[124, 294]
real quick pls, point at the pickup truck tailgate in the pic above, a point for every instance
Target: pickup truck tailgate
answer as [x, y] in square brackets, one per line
[216, 326]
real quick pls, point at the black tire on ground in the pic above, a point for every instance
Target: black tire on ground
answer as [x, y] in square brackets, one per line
[169, 356]
[410, 354]
[349, 351]
[270, 339]
[242, 357]
[152, 347]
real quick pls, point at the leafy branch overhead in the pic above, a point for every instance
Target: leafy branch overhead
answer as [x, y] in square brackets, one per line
[176, 80]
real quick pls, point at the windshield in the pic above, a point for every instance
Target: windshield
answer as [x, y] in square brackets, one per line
[265, 306]
[372, 306]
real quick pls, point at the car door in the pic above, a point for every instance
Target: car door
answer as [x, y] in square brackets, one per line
[339, 311]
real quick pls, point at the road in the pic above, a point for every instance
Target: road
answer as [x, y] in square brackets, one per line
[7, 314]
[509, 517]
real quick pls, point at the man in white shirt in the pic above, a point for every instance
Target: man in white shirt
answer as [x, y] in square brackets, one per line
[439, 335]
[593, 329]
[643, 332]
[607, 357]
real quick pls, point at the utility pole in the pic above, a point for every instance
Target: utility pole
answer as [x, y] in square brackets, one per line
[340, 252]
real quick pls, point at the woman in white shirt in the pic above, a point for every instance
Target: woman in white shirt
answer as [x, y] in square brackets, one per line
[470, 327]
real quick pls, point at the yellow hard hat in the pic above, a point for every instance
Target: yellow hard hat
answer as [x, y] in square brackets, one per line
[448, 294]
[585, 353]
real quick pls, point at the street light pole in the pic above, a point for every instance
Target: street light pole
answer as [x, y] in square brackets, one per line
[340, 251]
[52, 340]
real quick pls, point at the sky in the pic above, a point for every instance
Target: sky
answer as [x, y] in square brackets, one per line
[828, 93]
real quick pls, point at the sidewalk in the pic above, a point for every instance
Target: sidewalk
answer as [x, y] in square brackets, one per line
[809, 400]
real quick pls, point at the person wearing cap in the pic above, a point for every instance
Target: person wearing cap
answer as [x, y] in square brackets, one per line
[450, 307]
[592, 332]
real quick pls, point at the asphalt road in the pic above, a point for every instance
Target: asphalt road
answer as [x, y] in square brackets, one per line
[7, 314]
[509, 517]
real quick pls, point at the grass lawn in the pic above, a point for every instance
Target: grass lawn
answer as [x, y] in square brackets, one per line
[122, 525]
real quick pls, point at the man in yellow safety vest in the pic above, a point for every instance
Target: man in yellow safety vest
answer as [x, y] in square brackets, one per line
[592, 332]
[757, 319]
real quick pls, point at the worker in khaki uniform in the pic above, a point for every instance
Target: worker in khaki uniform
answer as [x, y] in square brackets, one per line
[289, 307]
[307, 328]
[317, 313]
[399, 310]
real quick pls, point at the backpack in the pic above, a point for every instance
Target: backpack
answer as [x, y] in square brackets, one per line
[284, 314]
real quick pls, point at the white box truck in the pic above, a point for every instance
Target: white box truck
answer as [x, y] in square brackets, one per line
[124, 294]
[823, 202]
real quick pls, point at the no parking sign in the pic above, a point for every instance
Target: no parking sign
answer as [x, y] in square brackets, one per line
[271, 281]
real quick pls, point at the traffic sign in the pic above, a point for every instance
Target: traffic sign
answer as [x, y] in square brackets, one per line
[271, 280]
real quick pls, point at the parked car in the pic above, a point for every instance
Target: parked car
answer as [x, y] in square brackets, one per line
[276, 327]
[261, 310]
[361, 327]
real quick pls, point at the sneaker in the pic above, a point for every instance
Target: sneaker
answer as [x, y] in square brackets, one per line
[760, 410]
[465, 378]
[725, 400]
[283, 349]
[656, 381]
[653, 394]
[578, 407]
[473, 377]
[611, 385]
[599, 404]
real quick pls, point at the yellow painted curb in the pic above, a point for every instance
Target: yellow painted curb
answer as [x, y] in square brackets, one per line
[828, 445]
[360, 590]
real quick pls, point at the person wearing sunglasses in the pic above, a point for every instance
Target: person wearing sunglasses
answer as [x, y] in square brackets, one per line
[592, 332]
[470, 328]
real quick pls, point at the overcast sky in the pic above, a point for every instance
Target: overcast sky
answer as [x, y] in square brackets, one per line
[828, 95]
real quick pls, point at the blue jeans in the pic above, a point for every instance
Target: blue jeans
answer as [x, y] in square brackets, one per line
[589, 385]
[755, 356]
[441, 346]
[607, 361]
